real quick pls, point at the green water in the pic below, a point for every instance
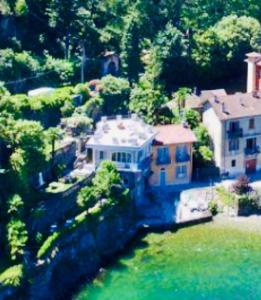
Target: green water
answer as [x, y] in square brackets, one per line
[201, 262]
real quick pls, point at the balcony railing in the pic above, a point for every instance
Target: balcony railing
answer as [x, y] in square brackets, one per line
[163, 160]
[134, 167]
[252, 151]
[236, 133]
[184, 157]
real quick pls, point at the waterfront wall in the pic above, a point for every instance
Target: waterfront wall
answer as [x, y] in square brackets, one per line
[56, 207]
[79, 255]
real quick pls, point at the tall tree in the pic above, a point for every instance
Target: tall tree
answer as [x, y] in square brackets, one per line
[131, 48]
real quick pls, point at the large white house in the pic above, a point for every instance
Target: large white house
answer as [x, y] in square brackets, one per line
[127, 142]
[234, 124]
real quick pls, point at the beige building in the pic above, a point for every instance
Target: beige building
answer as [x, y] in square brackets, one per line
[234, 124]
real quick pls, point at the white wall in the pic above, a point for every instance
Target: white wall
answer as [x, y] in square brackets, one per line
[214, 126]
[240, 154]
[251, 76]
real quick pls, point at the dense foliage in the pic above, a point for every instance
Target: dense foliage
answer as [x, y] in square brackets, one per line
[48, 42]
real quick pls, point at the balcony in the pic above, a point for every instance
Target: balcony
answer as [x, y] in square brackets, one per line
[127, 166]
[234, 134]
[252, 151]
[145, 163]
[163, 160]
[182, 157]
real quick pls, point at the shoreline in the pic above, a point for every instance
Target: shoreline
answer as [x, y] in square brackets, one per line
[250, 223]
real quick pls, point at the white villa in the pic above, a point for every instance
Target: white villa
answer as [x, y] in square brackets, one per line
[127, 142]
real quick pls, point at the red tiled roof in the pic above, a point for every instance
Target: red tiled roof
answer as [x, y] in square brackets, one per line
[173, 134]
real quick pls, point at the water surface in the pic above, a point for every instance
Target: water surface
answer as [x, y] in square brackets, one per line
[201, 262]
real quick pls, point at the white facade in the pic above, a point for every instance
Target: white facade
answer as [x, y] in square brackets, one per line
[125, 141]
[232, 151]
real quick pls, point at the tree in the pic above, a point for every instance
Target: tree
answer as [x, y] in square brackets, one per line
[130, 47]
[180, 97]
[86, 197]
[146, 101]
[203, 153]
[220, 50]
[115, 93]
[106, 176]
[28, 152]
[201, 14]
[202, 135]
[107, 184]
[17, 65]
[15, 206]
[17, 237]
[192, 117]
[53, 134]
[171, 57]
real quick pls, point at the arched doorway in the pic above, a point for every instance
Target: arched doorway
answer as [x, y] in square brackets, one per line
[112, 68]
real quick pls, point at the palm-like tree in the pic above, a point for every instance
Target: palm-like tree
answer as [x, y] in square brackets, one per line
[53, 134]
[180, 97]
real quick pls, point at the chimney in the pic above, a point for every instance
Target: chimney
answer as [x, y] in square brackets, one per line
[251, 71]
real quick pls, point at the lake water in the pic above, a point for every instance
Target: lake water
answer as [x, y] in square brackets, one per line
[202, 262]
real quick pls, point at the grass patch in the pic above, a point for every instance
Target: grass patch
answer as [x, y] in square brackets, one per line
[58, 187]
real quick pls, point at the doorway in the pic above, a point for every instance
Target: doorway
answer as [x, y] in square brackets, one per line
[162, 177]
[250, 166]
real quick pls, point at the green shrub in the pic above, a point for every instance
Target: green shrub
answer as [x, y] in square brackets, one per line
[15, 205]
[248, 201]
[213, 207]
[225, 197]
[82, 89]
[48, 244]
[242, 185]
[67, 109]
[12, 276]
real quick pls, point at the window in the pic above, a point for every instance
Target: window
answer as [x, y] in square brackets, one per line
[182, 153]
[233, 145]
[251, 124]
[101, 155]
[233, 163]
[163, 156]
[234, 126]
[251, 143]
[181, 171]
[121, 157]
